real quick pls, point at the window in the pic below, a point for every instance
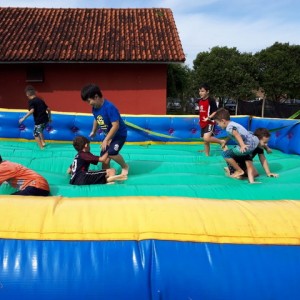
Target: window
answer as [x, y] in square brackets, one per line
[35, 74]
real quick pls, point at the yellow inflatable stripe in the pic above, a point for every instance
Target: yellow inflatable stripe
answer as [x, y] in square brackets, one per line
[140, 218]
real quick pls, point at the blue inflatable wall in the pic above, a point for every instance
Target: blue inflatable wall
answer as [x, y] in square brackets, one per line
[149, 247]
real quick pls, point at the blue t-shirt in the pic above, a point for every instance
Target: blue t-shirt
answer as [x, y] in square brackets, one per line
[107, 114]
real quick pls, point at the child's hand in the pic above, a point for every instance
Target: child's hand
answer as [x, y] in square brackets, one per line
[243, 148]
[92, 134]
[224, 146]
[21, 120]
[273, 175]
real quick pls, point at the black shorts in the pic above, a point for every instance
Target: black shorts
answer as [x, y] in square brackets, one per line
[32, 191]
[115, 146]
[207, 129]
[241, 161]
[90, 177]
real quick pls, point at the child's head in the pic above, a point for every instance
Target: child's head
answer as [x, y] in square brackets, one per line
[204, 91]
[0, 159]
[90, 91]
[30, 91]
[222, 117]
[80, 143]
[263, 135]
[92, 94]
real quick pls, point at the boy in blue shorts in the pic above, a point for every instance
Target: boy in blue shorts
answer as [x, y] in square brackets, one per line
[108, 118]
[246, 141]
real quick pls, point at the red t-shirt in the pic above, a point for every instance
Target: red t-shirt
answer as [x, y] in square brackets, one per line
[20, 177]
[206, 108]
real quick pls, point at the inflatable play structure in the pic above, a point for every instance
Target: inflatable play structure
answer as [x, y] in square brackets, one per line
[176, 229]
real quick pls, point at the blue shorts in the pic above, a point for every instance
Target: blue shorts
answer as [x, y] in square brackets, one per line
[115, 146]
[235, 151]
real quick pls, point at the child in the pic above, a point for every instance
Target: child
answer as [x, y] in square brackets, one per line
[41, 115]
[79, 170]
[26, 181]
[245, 162]
[207, 110]
[110, 121]
[246, 141]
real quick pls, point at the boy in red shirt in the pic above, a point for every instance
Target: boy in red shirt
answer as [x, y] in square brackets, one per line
[26, 181]
[207, 110]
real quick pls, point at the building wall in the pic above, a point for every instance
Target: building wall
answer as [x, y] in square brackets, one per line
[134, 88]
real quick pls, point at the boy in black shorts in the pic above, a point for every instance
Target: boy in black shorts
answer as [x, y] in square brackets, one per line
[246, 161]
[79, 170]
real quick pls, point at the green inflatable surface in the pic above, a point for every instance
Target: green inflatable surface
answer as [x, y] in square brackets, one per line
[160, 170]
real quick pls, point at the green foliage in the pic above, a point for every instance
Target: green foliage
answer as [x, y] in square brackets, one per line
[235, 75]
[178, 80]
[279, 71]
[229, 73]
[178, 84]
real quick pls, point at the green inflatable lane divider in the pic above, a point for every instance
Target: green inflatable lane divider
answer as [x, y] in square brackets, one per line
[200, 139]
[149, 131]
[159, 134]
[295, 115]
[282, 127]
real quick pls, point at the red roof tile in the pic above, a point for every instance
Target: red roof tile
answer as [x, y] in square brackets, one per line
[89, 35]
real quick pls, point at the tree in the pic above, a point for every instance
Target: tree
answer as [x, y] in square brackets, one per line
[279, 71]
[229, 73]
[178, 82]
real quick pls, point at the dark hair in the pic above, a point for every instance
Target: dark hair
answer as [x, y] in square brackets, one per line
[29, 90]
[90, 91]
[262, 132]
[0, 159]
[204, 86]
[79, 142]
[222, 113]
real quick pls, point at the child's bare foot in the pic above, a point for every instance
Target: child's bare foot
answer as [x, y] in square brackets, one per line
[125, 170]
[116, 178]
[227, 171]
[237, 174]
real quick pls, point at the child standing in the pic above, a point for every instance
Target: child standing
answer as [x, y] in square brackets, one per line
[26, 181]
[107, 116]
[246, 141]
[79, 170]
[207, 110]
[41, 115]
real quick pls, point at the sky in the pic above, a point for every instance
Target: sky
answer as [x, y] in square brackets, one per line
[247, 25]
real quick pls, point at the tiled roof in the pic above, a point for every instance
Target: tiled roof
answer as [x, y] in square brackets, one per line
[89, 35]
